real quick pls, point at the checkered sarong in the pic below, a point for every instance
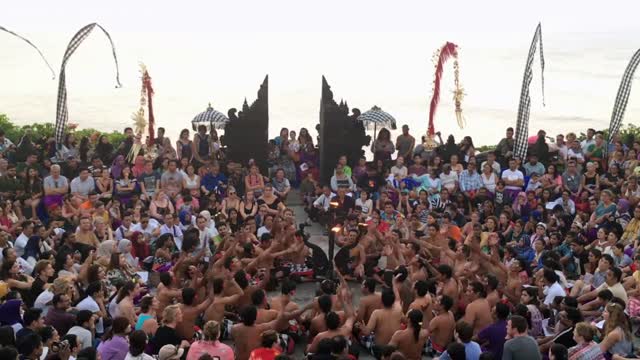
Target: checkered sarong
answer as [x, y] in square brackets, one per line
[522, 126]
[623, 95]
[32, 45]
[368, 342]
[226, 329]
[62, 113]
[298, 269]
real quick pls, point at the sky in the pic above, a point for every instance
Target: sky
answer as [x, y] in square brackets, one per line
[372, 53]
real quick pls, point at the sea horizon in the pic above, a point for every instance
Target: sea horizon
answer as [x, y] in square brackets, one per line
[192, 67]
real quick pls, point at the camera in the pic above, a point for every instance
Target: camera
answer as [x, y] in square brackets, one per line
[58, 346]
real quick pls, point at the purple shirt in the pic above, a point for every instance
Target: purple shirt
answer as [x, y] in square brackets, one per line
[114, 349]
[494, 336]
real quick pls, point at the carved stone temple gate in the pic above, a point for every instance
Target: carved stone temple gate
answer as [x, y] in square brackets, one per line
[247, 133]
[340, 133]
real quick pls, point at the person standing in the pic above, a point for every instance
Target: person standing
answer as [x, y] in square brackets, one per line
[405, 143]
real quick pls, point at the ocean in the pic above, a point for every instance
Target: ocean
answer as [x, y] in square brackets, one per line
[392, 70]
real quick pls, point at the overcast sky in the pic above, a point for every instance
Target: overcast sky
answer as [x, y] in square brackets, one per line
[373, 53]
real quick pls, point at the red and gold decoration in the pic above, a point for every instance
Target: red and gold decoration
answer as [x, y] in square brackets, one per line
[139, 119]
[447, 51]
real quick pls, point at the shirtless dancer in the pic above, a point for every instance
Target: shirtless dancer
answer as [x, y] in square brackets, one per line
[386, 321]
[246, 335]
[287, 291]
[423, 300]
[215, 311]
[167, 293]
[478, 312]
[369, 301]
[442, 326]
[333, 321]
[190, 312]
[411, 340]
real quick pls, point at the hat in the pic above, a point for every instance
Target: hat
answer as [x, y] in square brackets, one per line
[542, 224]
[170, 352]
[405, 191]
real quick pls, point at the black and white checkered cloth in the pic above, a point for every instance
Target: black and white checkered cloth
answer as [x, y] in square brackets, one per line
[378, 117]
[62, 113]
[623, 95]
[210, 117]
[522, 126]
[32, 45]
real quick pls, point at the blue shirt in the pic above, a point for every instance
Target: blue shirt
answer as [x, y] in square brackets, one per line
[210, 181]
[470, 181]
[472, 351]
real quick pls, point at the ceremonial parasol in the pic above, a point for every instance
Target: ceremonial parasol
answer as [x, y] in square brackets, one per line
[375, 117]
[211, 117]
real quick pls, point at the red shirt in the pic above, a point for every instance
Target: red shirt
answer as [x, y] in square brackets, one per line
[264, 354]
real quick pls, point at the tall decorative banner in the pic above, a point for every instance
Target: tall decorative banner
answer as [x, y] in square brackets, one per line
[62, 113]
[623, 95]
[449, 50]
[33, 46]
[522, 126]
[148, 88]
[138, 117]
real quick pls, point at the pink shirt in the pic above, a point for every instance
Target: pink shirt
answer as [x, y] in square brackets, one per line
[213, 348]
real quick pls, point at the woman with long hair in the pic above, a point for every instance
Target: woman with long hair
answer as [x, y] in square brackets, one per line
[117, 166]
[273, 204]
[617, 332]
[10, 274]
[124, 301]
[184, 146]
[552, 181]
[114, 345]
[383, 147]
[467, 149]
[305, 140]
[83, 150]
[104, 149]
[137, 345]
[254, 181]
[116, 272]
[125, 185]
[191, 182]
[248, 206]
[8, 223]
[104, 186]
[529, 298]
[160, 205]
[232, 201]
[68, 148]
[34, 191]
[233, 220]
